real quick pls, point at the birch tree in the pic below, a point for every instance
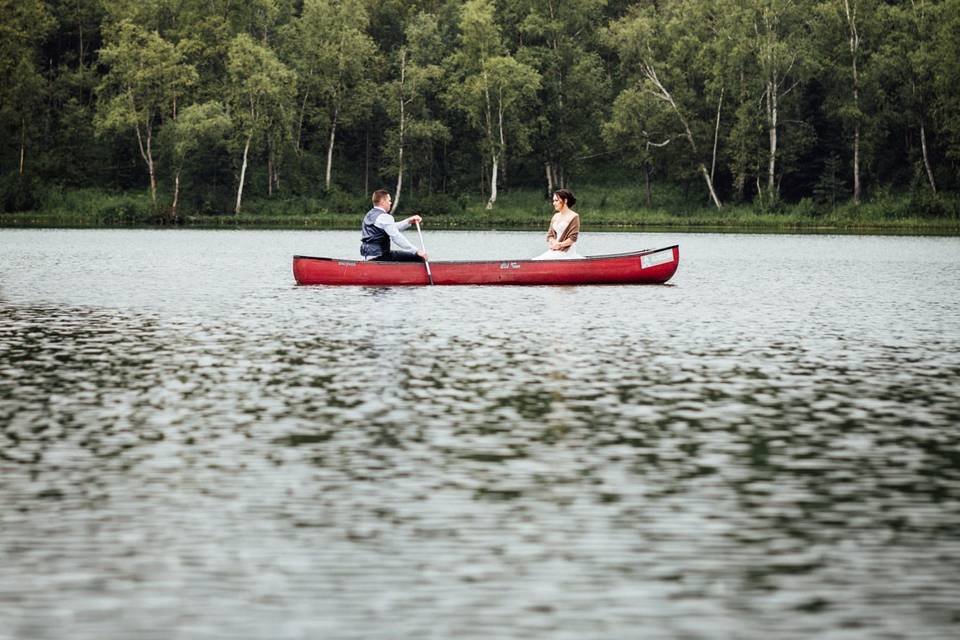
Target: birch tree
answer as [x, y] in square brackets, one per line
[637, 129]
[260, 97]
[946, 51]
[197, 126]
[415, 127]
[145, 78]
[908, 64]
[846, 33]
[495, 86]
[659, 56]
[334, 58]
[779, 33]
[852, 21]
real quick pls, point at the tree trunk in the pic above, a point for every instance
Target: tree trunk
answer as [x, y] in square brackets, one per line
[80, 27]
[243, 174]
[554, 172]
[176, 196]
[23, 142]
[297, 146]
[713, 192]
[333, 137]
[856, 163]
[772, 133]
[663, 94]
[153, 169]
[269, 170]
[493, 152]
[503, 142]
[396, 197]
[716, 137]
[493, 181]
[926, 158]
[147, 154]
[366, 162]
[646, 176]
[854, 52]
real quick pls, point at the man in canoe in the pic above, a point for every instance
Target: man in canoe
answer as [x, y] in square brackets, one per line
[379, 228]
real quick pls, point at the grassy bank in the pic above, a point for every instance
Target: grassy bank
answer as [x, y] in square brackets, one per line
[600, 207]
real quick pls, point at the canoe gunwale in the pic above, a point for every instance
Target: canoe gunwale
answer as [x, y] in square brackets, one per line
[497, 261]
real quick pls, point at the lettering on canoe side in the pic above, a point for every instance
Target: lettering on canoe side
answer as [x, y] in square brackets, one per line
[347, 264]
[653, 259]
[509, 265]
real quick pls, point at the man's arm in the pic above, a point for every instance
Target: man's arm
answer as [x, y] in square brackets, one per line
[385, 221]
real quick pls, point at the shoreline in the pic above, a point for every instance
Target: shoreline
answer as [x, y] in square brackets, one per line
[327, 222]
[601, 209]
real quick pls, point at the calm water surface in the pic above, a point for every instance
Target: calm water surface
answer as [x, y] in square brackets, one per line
[193, 447]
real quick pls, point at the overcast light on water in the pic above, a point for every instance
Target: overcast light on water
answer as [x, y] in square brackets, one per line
[191, 446]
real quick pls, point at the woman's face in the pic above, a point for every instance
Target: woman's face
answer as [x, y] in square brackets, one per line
[557, 202]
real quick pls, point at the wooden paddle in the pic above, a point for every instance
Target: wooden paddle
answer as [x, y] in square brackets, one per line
[424, 249]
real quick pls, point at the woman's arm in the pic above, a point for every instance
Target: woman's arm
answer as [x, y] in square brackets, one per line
[571, 234]
[552, 236]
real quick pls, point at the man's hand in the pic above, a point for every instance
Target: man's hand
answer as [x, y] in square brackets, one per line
[422, 254]
[414, 220]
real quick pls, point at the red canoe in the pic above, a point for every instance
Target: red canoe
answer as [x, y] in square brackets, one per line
[654, 266]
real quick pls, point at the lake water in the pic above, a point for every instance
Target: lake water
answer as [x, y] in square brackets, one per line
[191, 446]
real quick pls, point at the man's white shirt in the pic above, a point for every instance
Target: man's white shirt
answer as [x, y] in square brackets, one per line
[386, 222]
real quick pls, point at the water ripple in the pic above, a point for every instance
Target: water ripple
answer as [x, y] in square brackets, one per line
[738, 457]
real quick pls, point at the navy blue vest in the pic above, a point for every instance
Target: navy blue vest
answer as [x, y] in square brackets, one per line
[374, 241]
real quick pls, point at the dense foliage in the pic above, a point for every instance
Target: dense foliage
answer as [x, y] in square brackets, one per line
[201, 103]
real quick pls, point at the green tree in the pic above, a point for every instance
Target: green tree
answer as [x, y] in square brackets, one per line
[146, 77]
[197, 126]
[334, 59]
[660, 50]
[492, 87]
[945, 51]
[635, 129]
[829, 186]
[205, 36]
[260, 94]
[24, 26]
[780, 49]
[414, 126]
[560, 41]
[848, 32]
[77, 157]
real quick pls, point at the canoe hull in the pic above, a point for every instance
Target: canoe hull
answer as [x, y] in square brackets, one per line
[642, 267]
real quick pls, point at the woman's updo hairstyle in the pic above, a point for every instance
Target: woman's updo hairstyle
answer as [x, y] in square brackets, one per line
[567, 196]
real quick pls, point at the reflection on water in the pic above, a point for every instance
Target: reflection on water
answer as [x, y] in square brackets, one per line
[766, 449]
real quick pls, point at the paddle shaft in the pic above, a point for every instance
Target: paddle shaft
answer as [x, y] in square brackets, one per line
[424, 249]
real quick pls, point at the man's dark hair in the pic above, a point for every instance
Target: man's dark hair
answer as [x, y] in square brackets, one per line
[379, 195]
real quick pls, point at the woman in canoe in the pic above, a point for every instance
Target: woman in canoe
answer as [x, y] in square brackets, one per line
[564, 228]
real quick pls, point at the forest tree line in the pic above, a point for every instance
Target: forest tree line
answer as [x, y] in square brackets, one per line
[204, 102]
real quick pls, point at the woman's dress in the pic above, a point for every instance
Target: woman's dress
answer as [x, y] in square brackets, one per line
[570, 253]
